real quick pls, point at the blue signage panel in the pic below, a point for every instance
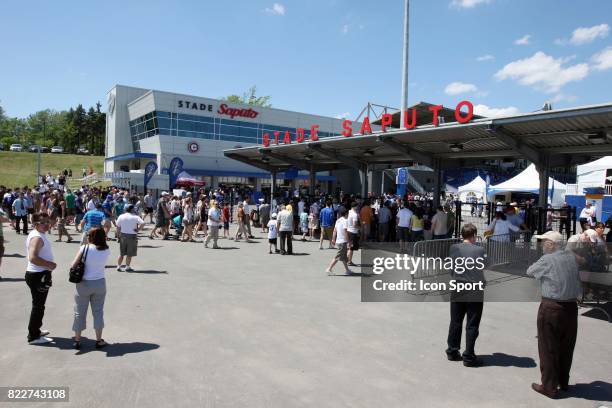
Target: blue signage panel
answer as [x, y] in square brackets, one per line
[150, 170]
[176, 167]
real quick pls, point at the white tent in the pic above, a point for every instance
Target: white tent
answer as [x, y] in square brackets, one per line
[528, 181]
[593, 174]
[478, 186]
[450, 189]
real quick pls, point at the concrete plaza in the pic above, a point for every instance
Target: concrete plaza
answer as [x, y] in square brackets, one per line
[239, 327]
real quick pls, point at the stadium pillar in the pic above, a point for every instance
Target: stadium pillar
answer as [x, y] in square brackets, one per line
[363, 178]
[312, 180]
[437, 179]
[272, 188]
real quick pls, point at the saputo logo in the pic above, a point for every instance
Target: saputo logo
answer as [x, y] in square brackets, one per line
[233, 112]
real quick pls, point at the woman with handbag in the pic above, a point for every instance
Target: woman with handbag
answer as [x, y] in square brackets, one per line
[92, 286]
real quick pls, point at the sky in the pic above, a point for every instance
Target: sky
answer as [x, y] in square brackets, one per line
[325, 57]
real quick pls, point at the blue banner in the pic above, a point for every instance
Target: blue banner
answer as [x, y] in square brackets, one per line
[149, 172]
[402, 176]
[176, 167]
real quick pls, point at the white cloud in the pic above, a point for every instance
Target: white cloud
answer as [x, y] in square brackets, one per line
[603, 60]
[524, 40]
[467, 3]
[543, 72]
[345, 29]
[485, 58]
[584, 35]
[276, 9]
[561, 97]
[456, 88]
[342, 115]
[486, 111]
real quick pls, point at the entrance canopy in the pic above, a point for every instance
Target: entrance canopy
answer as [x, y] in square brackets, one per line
[528, 182]
[553, 138]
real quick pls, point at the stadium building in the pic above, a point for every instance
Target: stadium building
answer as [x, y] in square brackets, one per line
[144, 125]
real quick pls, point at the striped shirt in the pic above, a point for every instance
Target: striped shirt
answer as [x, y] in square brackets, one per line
[92, 218]
[558, 275]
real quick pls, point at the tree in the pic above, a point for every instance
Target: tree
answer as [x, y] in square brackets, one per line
[250, 98]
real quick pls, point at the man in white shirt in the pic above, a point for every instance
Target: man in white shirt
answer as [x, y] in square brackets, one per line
[128, 225]
[404, 220]
[247, 216]
[353, 232]
[285, 230]
[213, 223]
[439, 224]
[341, 239]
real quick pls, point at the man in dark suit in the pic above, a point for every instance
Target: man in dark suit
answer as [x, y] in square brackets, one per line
[468, 261]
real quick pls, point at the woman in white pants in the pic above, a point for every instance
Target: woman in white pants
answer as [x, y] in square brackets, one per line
[92, 289]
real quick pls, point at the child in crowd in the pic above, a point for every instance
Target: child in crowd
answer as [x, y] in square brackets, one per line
[272, 233]
[304, 223]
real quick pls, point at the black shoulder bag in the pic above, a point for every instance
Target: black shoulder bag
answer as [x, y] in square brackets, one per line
[77, 271]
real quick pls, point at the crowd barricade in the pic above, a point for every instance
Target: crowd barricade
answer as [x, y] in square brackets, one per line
[515, 247]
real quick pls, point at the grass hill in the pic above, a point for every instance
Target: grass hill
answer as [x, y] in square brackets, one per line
[18, 169]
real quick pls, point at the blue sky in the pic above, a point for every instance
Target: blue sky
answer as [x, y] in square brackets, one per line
[327, 57]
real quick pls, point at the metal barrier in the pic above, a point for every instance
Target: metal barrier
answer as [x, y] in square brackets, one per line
[432, 254]
[514, 248]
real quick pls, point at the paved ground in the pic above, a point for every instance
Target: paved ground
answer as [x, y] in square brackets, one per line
[239, 327]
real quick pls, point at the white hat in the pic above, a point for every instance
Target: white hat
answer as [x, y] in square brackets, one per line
[273, 215]
[592, 234]
[164, 193]
[550, 235]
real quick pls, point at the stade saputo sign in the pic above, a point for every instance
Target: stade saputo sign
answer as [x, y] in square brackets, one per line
[224, 109]
[410, 122]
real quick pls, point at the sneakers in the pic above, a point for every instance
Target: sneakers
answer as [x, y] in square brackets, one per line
[41, 340]
[128, 269]
[120, 268]
[44, 332]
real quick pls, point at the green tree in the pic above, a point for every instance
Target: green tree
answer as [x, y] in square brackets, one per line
[250, 98]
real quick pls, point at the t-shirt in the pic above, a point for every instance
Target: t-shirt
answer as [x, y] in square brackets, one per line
[129, 223]
[405, 216]
[95, 262]
[418, 224]
[92, 219]
[384, 215]
[70, 200]
[285, 218]
[366, 214]
[160, 214]
[327, 217]
[303, 218]
[107, 206]
[226, 214]
[353, 222]
[214, 217]
[119, 206]
[272, 233]
[341, 227]
[441, 221]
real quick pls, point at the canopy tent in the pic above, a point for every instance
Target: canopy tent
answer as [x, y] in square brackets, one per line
[594, 173]
[528, 181]
[186, 179]
[450, 189]
[478, 187]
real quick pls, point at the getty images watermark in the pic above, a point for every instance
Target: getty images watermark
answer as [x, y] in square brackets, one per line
[388, 276]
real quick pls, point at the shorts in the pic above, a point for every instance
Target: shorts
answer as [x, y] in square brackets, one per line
[69, 212]
[341, 254]
[226, 225]
[328, 233]
[304, 228]
[272, 240]
[354, 241]
[128, 245]
[403, 233]
[149, 210]
[314, 224]
[160, 222]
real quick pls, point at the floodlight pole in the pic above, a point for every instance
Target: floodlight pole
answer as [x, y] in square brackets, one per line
[405, 63]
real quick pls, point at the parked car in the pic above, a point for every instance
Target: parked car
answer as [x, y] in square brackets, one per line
[16, 147]
[57, 149]
[34, 148]
[82, 150]
[44, 149]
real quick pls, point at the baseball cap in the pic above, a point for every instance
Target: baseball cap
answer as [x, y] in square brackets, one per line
[550, 235]
[164, 193]
[273, 215]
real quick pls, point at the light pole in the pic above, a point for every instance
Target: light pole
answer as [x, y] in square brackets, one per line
[405, 63]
